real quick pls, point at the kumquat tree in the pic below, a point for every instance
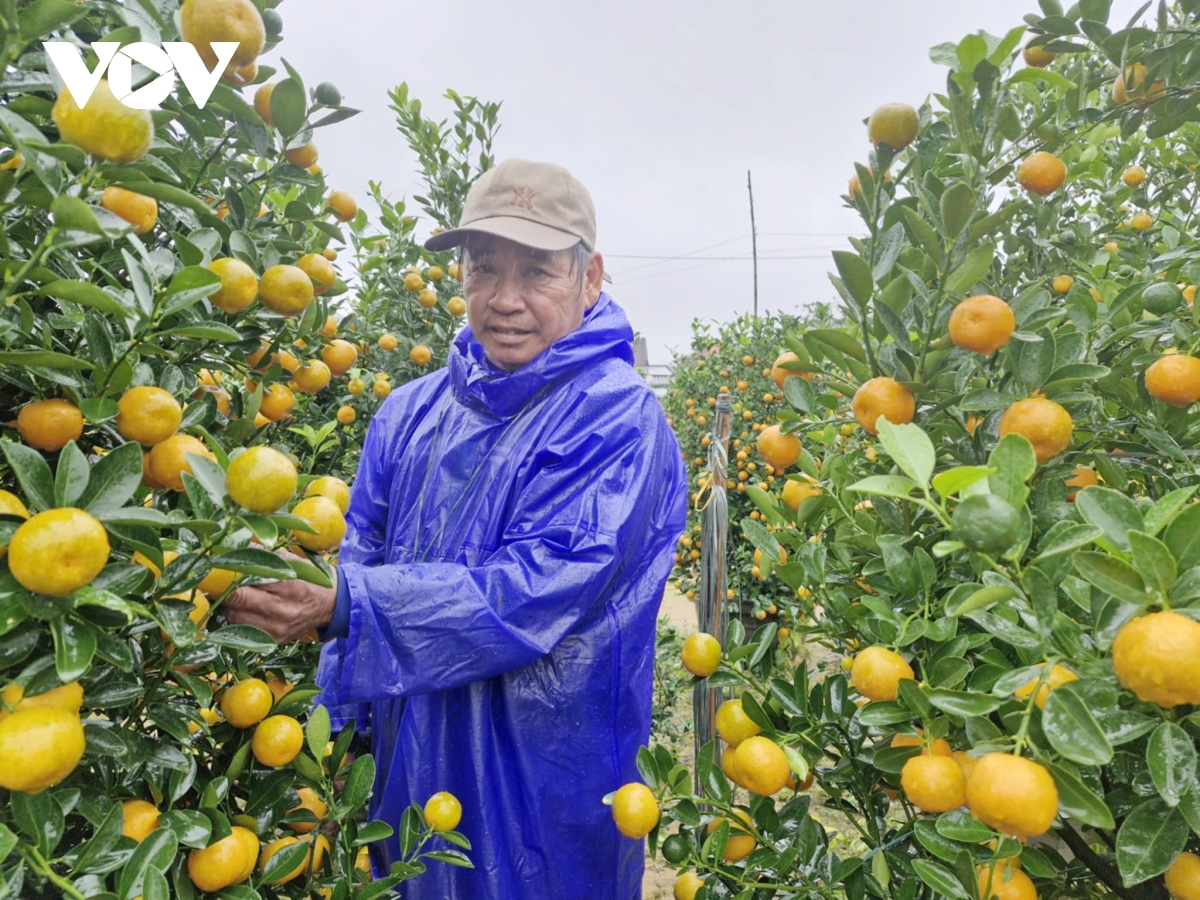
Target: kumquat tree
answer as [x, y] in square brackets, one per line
[996, 551]
[740, 359]
[181, 389]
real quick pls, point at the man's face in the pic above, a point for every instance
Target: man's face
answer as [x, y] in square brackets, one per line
[521, 300]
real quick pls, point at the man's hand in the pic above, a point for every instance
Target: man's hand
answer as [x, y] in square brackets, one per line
[286, 610]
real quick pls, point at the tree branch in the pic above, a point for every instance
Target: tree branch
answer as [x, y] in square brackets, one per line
[1108, 873]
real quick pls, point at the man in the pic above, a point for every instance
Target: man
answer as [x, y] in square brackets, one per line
[510, 533]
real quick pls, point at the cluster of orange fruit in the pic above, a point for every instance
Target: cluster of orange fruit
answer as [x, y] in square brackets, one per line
[61, 550]
[111, 131]
[1157, 656]
[750, 761]
[1009, 793]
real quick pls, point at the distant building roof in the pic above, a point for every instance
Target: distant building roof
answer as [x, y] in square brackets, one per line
[658, 377]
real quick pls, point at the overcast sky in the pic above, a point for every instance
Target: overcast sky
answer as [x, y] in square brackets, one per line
[659, 108]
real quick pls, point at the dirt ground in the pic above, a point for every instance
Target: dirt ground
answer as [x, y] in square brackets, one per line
[679, 609]
[659, 882]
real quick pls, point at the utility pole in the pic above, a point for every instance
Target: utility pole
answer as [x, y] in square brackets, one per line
[753, 240]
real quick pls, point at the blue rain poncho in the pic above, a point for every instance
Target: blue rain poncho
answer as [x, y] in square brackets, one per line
[510, 535]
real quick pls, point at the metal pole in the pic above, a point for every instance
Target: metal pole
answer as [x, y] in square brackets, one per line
[753, 241]
[712, 609]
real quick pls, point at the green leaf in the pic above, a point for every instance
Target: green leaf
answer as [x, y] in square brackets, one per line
[984, 401]
[135, 515]
[90, 596]
[1033, 360]
[1161, 514]
[253, 561]
[74, 647]
[210, 475]
[971, 51]
[243, 637]
[40, 816]
[957, 205]
[800, 394]
[1064, 537]
[317, 731]
[288, 107]
[962, 826]
[86, 294]
[1150, 838]
[910, 448]
[33, 474]
[189, 286]
[971, 601]
[1182, 537]
[882, 713]
[104, 838]
[213, 331]
[154, 886]
[1113, 512]
[922, 232]
[990, 223]
[761, 538]
[114, 480]
[971, 269]
[1042, 595]
[1171, 758]
[1072, 729]
[155, 851]
[1153, 561]
[41, 18]
[1079, 801]
[962, 703]
[1006, 46]
[1015, 463]
[1189, 808]
[303, 763]
[1111, 575]
[940, 878]
[452, 857]
[1033, 75]
[1001, 628]
[71, 476]
[381, 831]
[1186, 588]
[284, 861]
[885, 486]
[175, 618]
[72, 214]
[360, 780]
[856, 275]
[950, 482]
[46, 359]
[839, 341]
[928, 836]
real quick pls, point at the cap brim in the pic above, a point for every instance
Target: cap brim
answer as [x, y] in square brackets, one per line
[521, 231]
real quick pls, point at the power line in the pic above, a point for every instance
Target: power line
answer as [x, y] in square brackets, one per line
[715, 259]
[681, 256]
[662, 274]
[691, 254]
[669, 258]
[809, 234]
[708, 261]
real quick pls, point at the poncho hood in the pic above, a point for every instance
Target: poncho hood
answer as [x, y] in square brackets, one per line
[482, 386]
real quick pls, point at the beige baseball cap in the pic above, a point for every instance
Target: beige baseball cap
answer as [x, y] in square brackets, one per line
[536, 204]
